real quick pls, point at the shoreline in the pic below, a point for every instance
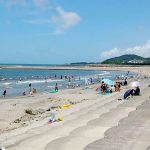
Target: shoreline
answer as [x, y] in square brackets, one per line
[57, 68]
[62, 89]
[138, 69]
[63, 67]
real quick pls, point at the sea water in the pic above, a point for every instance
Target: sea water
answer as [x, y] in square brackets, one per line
[16, 81]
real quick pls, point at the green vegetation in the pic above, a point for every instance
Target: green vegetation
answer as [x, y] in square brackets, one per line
[82, 63]
[127, 59]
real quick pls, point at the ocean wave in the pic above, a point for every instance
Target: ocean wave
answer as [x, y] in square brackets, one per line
[6, 83]
[104, 73]
[108, 76]
[37, 81]
[101, 74]
[9, 87]
[50, 86]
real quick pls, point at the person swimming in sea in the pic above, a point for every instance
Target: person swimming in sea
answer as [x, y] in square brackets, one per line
[56, 87]
[23, 93]
[61, 77]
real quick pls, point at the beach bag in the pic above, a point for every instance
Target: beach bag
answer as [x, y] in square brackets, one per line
[54, 117]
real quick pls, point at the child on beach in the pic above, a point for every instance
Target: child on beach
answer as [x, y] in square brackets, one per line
[34, 90]
[117, 87]
[103, 87]
[31, 93]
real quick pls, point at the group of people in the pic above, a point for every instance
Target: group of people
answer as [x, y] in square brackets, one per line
[104, 88]
[71, 81]
[31, 90]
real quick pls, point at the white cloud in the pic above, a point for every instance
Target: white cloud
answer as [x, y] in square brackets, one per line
[65, 20]
[110, 53]
[143, 50]
[62, 21]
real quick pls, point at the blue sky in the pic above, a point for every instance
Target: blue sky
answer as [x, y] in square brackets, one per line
[64, 31]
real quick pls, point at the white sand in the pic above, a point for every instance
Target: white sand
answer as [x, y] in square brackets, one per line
[76, 130]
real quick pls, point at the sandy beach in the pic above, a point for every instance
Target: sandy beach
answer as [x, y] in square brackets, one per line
[24, 120]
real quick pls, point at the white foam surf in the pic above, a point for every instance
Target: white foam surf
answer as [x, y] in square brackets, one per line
[37, 81]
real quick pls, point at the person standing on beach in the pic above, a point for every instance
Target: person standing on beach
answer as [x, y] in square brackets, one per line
[29, 87]
[56, 87]
[69, 82]
[91, 80]
[4, 93]
[125, 82]
[117, 87]
[86, 81]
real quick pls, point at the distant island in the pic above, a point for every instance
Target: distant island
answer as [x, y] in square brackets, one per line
[80, 64]
[129, 59]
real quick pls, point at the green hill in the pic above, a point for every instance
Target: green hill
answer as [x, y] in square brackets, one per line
[127, 59]
[148, 60]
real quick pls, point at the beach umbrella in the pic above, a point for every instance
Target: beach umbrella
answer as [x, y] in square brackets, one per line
[128, 93]
[108, 81]
[135, 84]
